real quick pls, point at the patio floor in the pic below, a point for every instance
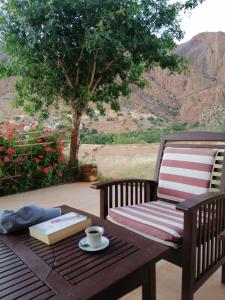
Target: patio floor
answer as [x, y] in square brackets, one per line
[80, 196]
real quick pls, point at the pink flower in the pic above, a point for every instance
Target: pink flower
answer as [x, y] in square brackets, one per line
[60, 148]
[39, 140]
[10, 151]
[45, 170]
[55, 164]
[1, 149]
[9, 134]
[60, 174]
[41, 156]
[61, 158]
[47, 149]
[6, 159]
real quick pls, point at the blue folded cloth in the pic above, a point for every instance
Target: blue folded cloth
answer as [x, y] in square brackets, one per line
[24, 217]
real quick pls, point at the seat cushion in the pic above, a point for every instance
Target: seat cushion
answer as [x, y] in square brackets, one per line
[156, 220]
[185, 172]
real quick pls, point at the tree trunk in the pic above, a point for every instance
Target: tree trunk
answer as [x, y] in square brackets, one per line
[75, 137]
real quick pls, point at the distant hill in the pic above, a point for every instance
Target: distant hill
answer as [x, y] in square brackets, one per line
[168, 94]
[172, 97]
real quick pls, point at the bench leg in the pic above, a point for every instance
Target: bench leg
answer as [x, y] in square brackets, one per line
[149, 288]
[187, 285]
[223, 274]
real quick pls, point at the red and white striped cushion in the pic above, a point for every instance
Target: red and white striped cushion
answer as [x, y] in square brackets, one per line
[185, 172]
[156, 220]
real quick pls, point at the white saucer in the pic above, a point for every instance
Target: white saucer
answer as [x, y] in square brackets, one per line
[84, 246]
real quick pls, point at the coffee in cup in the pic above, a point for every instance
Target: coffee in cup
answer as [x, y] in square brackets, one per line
[94, 235]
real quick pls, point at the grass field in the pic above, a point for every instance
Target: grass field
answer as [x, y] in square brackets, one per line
[124, 161]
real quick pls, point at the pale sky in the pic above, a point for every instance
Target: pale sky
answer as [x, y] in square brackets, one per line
[208, 16]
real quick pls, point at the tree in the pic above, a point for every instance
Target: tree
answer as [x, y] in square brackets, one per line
[83, 52]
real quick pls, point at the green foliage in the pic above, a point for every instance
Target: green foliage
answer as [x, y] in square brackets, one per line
[77, 50]
[84, 51]
[134, 137]
[38, 161]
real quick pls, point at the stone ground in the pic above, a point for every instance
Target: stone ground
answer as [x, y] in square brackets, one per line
[79, 195]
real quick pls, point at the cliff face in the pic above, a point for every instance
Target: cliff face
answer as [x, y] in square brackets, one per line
[173, 97]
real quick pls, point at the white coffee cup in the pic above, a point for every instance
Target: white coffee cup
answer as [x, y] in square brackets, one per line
[94, 235]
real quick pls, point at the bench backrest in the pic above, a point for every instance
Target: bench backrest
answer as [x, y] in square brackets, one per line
[208, 147]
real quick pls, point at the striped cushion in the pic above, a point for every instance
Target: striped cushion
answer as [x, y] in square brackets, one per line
[156, 220]
[185, 172]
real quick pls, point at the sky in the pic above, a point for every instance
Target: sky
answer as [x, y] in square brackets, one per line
[208, 16]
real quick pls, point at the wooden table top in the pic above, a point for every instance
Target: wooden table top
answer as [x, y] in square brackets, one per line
[30, 269]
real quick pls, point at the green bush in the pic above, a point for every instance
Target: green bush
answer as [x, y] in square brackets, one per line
[133, 137]
[37, 161]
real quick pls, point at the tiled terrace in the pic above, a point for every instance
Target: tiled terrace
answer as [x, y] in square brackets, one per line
[80, 196]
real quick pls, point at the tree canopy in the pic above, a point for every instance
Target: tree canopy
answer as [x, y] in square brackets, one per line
[83, 52]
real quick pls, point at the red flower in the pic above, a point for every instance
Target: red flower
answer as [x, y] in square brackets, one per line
[1, 149]
[45, 170]
[41, 156]
[45, 144]
[37, 160]
[60, 174]
[47, 149]
[55, 164]
[6, 159]
[60, 148]
[61, 158]
[9, 134]
[58, 140]
[50, 168]
[62, 132]
[10, 151]
[39, 140]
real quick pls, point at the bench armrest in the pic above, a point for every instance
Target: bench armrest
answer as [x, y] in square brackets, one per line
[106, 183]
[203, 199]
[123, 192]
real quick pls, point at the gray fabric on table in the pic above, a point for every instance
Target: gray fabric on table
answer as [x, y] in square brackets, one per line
[24, 217]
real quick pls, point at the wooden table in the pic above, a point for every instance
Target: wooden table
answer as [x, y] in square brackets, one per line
[30, 269]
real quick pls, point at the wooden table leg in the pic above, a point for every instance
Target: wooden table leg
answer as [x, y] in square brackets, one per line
[149, 288]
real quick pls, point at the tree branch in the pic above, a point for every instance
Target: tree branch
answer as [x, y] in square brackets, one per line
[108, 66]
[93, 71]
[61, 64]
[77, 63]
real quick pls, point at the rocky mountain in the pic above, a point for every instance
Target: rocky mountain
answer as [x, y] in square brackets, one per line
[183, 98]
[187, 97]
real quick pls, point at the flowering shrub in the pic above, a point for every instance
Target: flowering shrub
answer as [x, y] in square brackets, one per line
[33, 162]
